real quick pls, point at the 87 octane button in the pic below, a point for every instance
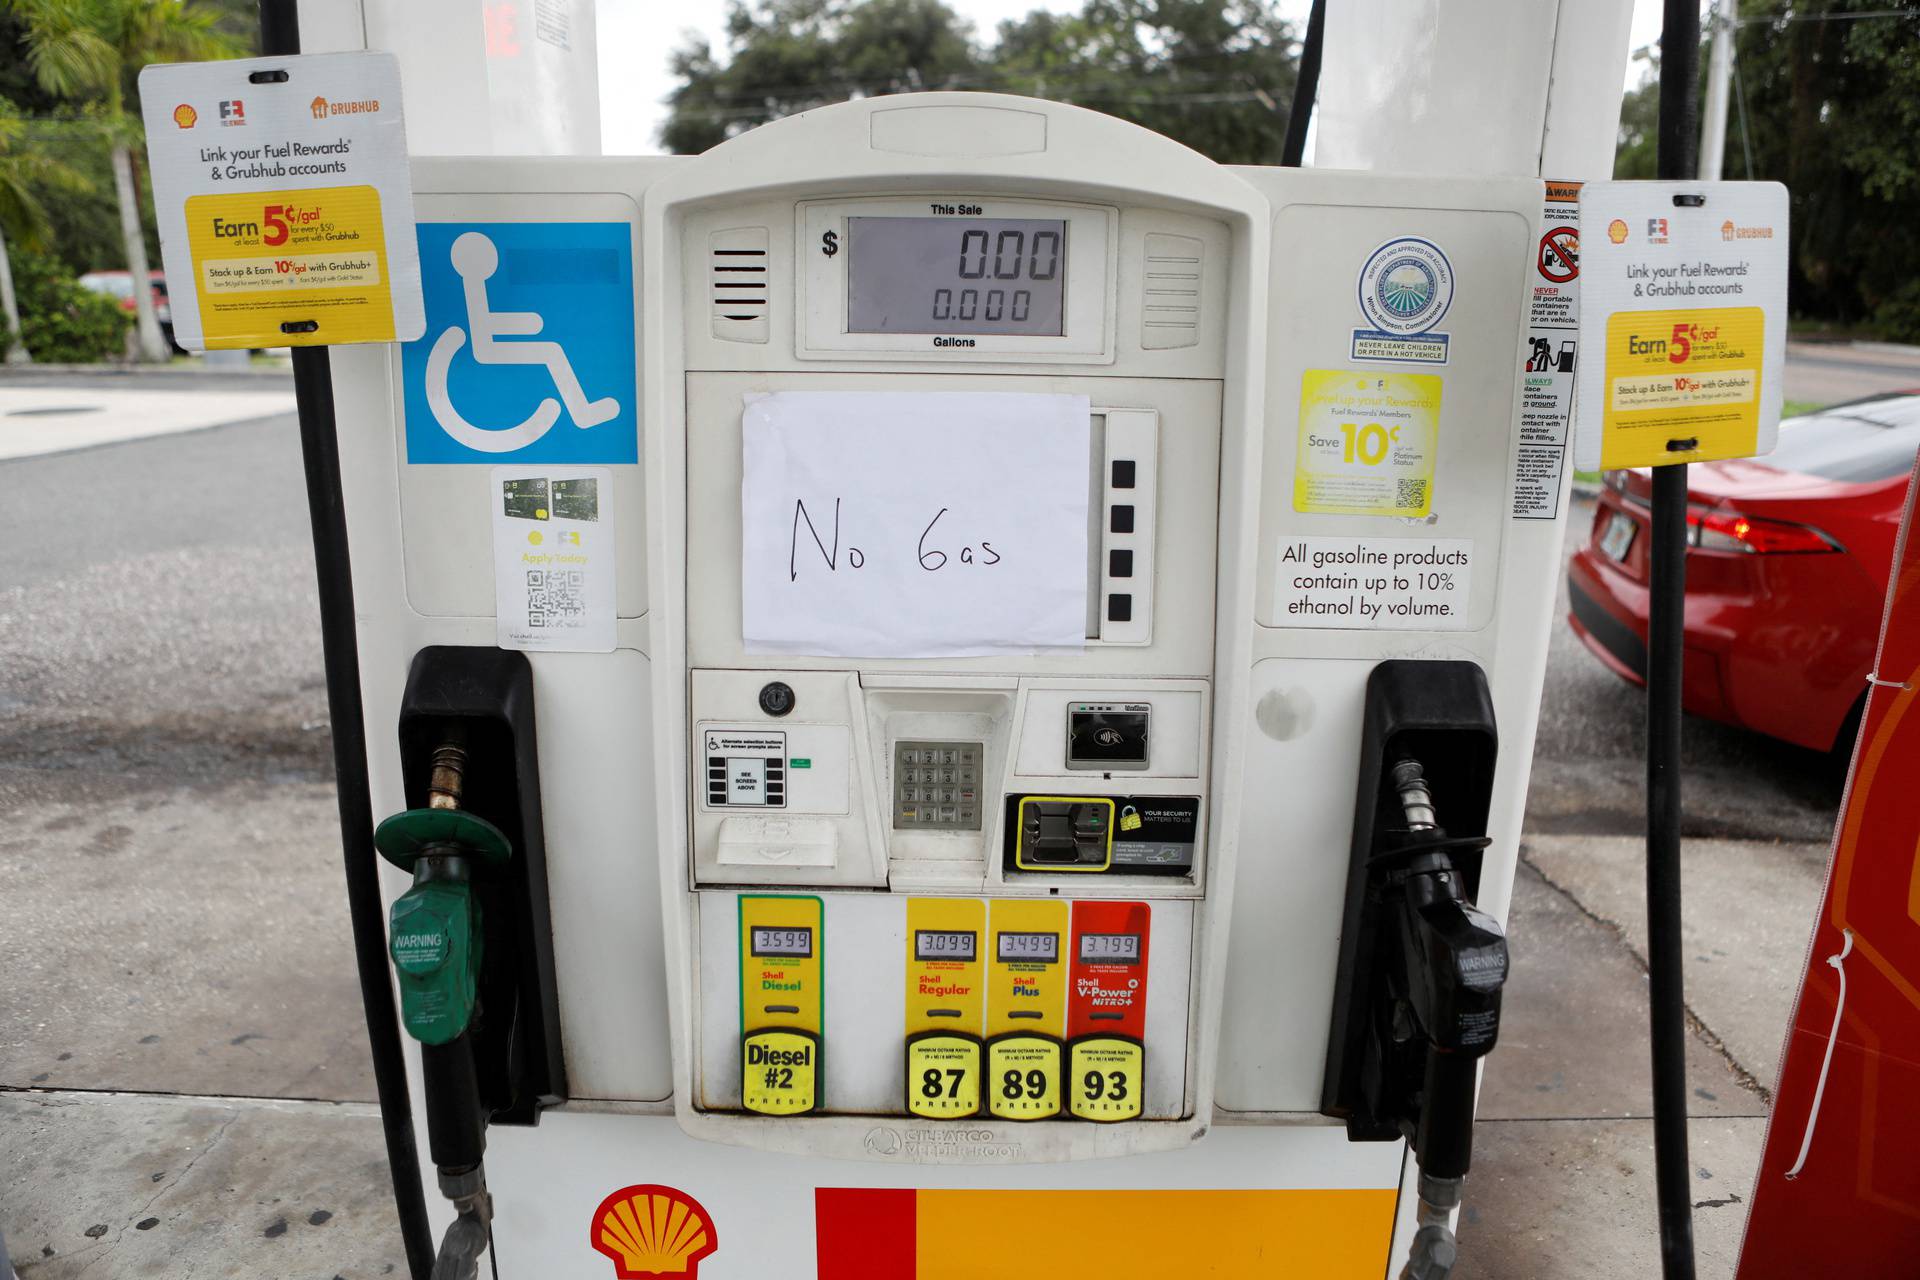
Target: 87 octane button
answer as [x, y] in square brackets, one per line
[943, 1075]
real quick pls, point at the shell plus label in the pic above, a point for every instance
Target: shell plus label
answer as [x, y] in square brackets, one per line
[1366, 443]
[286, 201]
[782, 971]
[1107, 1010]
[1027, 1008]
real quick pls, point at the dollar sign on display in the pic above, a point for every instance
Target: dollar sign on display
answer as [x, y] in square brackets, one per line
[830, 243]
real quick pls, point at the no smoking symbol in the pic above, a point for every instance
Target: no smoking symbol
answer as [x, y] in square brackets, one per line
[1560, 254]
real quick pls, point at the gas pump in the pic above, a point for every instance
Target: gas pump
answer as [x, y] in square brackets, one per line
[965, 552]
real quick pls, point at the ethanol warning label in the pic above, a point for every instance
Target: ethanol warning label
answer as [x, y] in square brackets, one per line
[1383, 584]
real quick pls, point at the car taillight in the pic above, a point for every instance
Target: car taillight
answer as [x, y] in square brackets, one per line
[1722, 530]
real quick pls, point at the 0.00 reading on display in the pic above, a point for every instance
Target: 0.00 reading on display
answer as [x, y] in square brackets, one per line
[953, 275]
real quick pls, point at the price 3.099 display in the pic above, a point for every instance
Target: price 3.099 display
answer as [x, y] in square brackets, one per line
[957, 275]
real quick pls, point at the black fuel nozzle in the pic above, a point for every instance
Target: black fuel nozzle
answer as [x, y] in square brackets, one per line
[1452, 969]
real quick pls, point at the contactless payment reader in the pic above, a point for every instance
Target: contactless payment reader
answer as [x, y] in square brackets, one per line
[949, 774]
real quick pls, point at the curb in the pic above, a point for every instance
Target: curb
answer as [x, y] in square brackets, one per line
[117, 370]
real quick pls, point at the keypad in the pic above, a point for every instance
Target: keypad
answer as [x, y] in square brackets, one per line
[936, 785]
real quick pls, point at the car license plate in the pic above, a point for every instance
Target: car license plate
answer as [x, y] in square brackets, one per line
[1618, 538]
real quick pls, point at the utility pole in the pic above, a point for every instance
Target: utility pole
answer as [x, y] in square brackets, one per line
[1713, 122]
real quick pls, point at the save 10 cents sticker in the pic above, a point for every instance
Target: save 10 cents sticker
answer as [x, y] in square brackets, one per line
[1366, 443]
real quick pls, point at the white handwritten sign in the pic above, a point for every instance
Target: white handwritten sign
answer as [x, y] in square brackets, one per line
[914, 525]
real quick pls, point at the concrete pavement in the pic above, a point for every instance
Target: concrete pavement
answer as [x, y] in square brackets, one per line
[37, 420]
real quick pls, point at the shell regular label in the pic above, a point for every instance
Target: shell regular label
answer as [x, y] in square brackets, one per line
[1366, 443]
[1693, 374]
[945, 972]
[1027, 1007]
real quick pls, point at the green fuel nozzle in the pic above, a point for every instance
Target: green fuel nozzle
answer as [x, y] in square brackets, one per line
[435, 941]
[434, 927]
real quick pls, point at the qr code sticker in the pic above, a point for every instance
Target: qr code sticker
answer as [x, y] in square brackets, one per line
[1410, 495]
[556, 598]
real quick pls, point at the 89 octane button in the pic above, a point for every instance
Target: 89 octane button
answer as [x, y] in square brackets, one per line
[1104, 1078]
[1023, 1077]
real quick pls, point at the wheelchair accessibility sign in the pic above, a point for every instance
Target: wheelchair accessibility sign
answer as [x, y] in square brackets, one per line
[528, 352]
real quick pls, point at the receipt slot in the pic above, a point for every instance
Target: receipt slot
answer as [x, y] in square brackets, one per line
[949, 737]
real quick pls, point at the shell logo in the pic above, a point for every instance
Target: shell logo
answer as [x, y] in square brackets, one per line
[651, 1230]
[1617, 231]
[185, 116]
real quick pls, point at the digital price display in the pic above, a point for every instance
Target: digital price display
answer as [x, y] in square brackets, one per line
[1029, 948]
[944, 944]
[957, 275]
[1109, 948]
[781, 943]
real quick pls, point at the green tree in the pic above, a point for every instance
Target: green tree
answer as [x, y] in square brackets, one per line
[1826, 99]
[1834, 106]
[27, 177]
[789, 56]
[91, 51]
[1217, 75]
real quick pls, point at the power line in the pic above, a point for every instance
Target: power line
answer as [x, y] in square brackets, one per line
[1827, 17]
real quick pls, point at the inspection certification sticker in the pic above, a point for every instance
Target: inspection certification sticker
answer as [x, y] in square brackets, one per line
[284, 201]
[1404, 289]
[1367, 442]
[1685, 291]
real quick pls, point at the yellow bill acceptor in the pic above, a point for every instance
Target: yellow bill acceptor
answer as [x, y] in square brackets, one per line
[994, 659]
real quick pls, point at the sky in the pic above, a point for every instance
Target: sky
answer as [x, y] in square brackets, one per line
[636, 38]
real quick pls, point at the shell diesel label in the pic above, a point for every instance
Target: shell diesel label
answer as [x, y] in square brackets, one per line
[651, 1230]
[1027, 1008]
[1107, 1010]
[781, 974]
[944, 978]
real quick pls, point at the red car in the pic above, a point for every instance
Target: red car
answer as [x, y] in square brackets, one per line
[1787, 568]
